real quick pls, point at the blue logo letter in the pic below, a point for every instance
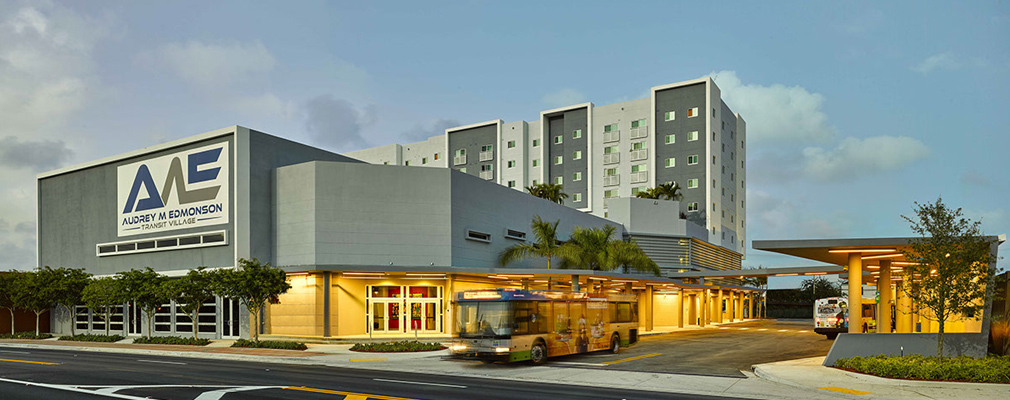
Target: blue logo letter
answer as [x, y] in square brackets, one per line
[153, 199]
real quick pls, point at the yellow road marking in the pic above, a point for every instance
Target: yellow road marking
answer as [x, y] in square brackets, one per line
[30, 362]
[368, 359]
[630, 359]
[844, 390]
[347, 395]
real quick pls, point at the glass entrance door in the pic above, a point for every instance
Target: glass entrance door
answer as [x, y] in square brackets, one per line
[386, 316]
[424, 316]
[230, 322]
[135, 317]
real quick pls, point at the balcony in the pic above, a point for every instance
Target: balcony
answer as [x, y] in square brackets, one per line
[611, 180]
[639, 177]
[638, 155]
[611, 136]
[487, 175]
[612, 158]
[486, 155]
[459, 160]
[640, 132]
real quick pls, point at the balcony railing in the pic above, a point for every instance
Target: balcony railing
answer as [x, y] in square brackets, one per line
[487, 175]
[612, 158]
[639, 177]
[611, 180]
[640, 154]
[640, 132]
[611, 136]
[459, 160]
[486, 155]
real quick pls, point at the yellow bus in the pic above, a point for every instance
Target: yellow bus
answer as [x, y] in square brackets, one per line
[526, 325]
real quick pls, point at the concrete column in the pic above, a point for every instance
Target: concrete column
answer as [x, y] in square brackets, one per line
[692, 309]
[886, 297]
[680, 309]
[650, 311]
[900, 325]
[627, 288]
[750, 298]
[719, 313]
[739, 308]
[855, 292]
[705, 309]
[575, 283]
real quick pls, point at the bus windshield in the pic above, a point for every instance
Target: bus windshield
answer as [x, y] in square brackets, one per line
[484, 319]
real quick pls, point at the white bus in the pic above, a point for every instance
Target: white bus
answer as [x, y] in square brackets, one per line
[523, 325]
[831, 316]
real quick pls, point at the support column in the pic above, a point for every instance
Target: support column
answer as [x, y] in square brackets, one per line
[680, 309]
[692, 309]
[704, 307]
[884, 307]
[526, 283]
[902, 309]
[719, 312]
[750, 297]
[855, 292]
[739, 308]
[627, 288]
[575, 284]
[650, 311]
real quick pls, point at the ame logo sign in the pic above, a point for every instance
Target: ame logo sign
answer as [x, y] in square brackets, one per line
[186, 189]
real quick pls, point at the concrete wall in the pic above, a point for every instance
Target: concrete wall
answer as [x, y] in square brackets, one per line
[390, 154]
[621, 114]
[471, 139]
[680, 100]
[870, 344]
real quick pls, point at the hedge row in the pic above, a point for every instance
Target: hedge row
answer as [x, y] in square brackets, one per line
[93, 338]
[187, 341]
[270, 344]
[992, 369]
[397, 347]
[25, 335]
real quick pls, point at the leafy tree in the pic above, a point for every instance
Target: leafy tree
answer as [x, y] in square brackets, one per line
[255, 285]
[546, 244]
[667, 191]
[760, 282]
[103, 296]
[68, 288]
[951, 272]
[628, 255]
[147, 289]
[549, 191]
[819, 287]
[191, 291]
[9, 291]
[38, 293]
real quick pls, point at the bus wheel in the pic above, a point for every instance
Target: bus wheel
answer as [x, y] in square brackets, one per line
[538, 353]
[615, 344]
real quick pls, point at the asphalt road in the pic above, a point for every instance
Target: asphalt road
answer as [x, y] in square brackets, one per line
[24, 374]
[713, 352]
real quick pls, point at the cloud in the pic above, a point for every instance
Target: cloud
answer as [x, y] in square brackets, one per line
[563, 97]
[772, 217]
[973, 178]
[337, 122]
[855, 157]
[424, 131]
[209, 65]
[266, 104]
[947, 61]
[776, 112]
[40, 155]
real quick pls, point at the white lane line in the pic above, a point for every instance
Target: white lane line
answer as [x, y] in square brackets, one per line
[218, 394]
[73, 389]
[782, 330]
[763, 329]
[743, 328]
[804, 331]
[163, 362]
[14, 352]
[418, 383]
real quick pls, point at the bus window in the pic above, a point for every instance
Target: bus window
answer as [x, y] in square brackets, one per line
[521, 324]
[561, 318]
[544, 317]
[612, 310]
[623, 312]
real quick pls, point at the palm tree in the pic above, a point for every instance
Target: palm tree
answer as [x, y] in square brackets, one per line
[549, 191]
[627, 255]
[596, 249]
[545, 245]
[669, 190]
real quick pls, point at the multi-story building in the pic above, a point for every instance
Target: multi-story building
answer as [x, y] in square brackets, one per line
[683, 133]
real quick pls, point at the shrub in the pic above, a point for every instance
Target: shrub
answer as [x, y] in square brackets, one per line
[270, 344]
[397, 347]
[93, 338]
[26, 335]
[992, 369]
[187, 341]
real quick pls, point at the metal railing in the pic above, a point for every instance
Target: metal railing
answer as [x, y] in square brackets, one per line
[611, 136]
[641, 154]
[487, 175]
[612, 158]
[611, 180]
[640, 132]
[639, 177]
[486, 155]
[459, 160]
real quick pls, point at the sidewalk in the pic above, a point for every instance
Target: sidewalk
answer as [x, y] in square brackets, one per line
[808, 374]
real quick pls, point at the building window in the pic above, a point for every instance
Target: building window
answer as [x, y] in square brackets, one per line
[636, 190]
[732, 176]
[742, 203]
[463, 170]
[511, 144]
[512, 184]
[536, 142]
[610, 171]
[670, 115]
[558, 160]
[692, 206]
[460, 152]
[512, 163]
[436, 156]
[610, 150]
[478, 236]
[609, 194]
[536, 182]
[713, 160]
[487, 147]
[638, 124]
[732, 197]
[577, 198]
[692, 159]
[486, 167]
[724, 169]
[407, 163]
[577, 134]
[723, 191]
[536, 162]
[671, 162]
[692, 183]
[424, 160]
[559, 139]
[559, 180]
[639, 168]
[692, 112]
[671, 139]
[724, 147]
[577, 177]
[692, 136]
[713, 136]
[637, 146]
[577, 155]
[610, 128]
[713, 183]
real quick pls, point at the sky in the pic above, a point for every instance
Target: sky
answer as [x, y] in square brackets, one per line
[854, 110]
